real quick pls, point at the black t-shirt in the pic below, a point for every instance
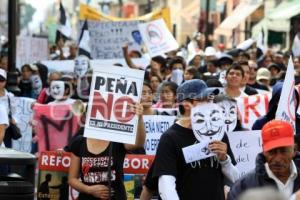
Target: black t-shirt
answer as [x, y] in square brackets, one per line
[201, 179]
[94, 168]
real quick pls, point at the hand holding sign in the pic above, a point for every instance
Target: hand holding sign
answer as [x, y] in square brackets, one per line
[219, 148]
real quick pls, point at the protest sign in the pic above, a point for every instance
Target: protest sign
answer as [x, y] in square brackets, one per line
[157, 37]
[53, 177]
[87, 12]
[245, 146]
[30, 50]
[108, 38]
[55, 125]
[24, 115]
[155, 126]
[286, 109]
[252, 107]
[113, 89]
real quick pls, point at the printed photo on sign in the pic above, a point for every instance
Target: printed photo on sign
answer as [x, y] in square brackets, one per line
[157, 37]
[112, 93]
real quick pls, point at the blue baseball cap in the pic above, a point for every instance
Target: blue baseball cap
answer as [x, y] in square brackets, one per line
[194, 89]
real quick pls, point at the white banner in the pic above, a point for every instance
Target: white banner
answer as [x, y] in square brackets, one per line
[24, 115]
[108, 116]
[286, 106]
[30, 50]
[245, 146]
[155, 126]
[68, 65]
[157, 37]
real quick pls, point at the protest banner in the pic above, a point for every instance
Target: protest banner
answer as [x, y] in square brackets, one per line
[59, 65]
[286, 109]
[245, 146]
[53, 177]
[30, 50]
[113, 89]
[24, 115]
[157, 37]
[252, 107]
[108, 38]
[87, 12]
[155, 126]
[55, 125]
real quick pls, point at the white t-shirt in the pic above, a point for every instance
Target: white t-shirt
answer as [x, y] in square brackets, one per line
[4, 115]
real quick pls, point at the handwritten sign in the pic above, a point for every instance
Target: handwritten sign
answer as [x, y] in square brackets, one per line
[245, 146]
[155, 126]
[55, 125]
[157, 37]
[252, 107]
[24, 115]
[107, 38]
[30, 50]
[108, 115]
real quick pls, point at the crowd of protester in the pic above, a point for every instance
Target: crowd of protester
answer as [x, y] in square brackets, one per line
[236, 72]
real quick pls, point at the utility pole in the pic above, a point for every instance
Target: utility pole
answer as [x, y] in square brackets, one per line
[206, 23]
[13, 25]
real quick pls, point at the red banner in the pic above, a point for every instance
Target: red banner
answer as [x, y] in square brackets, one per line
[137, 164]
[54, 161]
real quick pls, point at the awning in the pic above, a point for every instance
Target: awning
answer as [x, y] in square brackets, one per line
[286, 10]
[239, 14]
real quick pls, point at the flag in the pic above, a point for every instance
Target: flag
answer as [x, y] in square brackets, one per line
[64, 29]
[286, 109]
[84, 47]
[260, 42]
[296, 46]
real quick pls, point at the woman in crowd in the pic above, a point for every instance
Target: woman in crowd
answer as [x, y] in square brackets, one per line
[155, 81]
[45, 97]
[25, 82]
[191, 73]
[95, 161]
[167, 96]
[8, 102]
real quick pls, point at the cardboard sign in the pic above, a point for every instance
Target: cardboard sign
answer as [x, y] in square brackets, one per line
[55, 125]
[113, 89]
[155, 126]
[157, 37]
[30, 50]
[24, 115]
[286, 107]
[53, 177]
[245, 146]
[107, 38]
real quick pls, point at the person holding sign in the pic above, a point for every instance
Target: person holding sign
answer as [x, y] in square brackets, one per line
[91, 161]
[274, 166]
[201, 178]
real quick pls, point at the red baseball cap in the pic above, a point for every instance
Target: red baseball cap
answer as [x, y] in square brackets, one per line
[277, 133]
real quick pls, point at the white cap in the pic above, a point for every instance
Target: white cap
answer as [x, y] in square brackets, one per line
[3, 73]
[210, 51]
[263, 73]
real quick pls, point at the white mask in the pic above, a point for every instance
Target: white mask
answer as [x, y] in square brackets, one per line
[207, 122]
[177, 76]
[57, 89]
[229, 110]
[81, 66]
[36, 83]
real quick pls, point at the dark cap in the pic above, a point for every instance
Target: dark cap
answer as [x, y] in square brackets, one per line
[194, 89]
